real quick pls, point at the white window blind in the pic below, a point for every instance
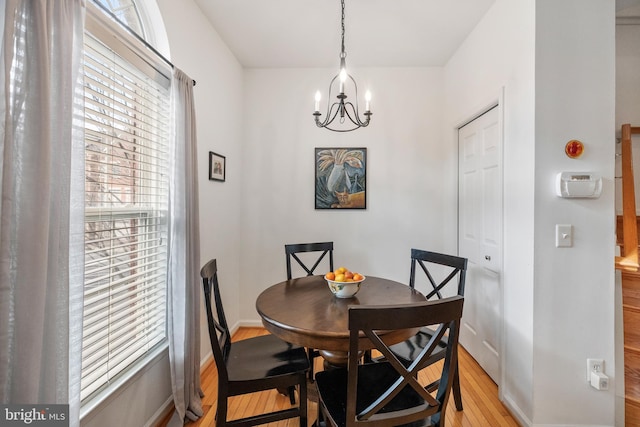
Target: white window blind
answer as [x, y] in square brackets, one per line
[126, 200]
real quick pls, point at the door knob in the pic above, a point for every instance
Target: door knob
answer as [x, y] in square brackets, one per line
[487, 257]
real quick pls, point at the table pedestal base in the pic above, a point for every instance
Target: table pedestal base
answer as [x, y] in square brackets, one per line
[334, 359]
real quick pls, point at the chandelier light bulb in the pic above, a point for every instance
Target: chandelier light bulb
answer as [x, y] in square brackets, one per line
[318, 98]
[343, 78]
[367, 98]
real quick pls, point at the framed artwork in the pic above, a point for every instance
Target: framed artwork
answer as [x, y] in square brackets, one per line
[341, 178]
[217, 166]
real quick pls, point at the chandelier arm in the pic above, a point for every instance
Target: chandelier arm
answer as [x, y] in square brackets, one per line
[355, 85]
[330, 117]
[337, 76]
[341, 130]
[357, 120]
[356, 124]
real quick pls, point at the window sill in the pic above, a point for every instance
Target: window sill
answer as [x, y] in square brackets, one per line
[119, 384]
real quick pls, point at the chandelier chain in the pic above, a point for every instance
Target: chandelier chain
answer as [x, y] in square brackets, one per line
[343, 52]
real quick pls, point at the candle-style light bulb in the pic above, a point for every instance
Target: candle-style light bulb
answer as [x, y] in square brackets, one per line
[343, 78]
[318, 98]
[367, 98]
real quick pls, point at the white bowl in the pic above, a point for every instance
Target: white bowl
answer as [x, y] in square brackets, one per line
[344, 289]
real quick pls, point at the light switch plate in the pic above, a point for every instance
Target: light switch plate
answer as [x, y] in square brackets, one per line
[564, 236]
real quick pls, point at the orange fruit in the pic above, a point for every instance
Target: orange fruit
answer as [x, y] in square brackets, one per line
[339, 277]
[330, 275]
[348, 275]
[357, 277]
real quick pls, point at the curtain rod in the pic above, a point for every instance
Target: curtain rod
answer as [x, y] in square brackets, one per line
[136, 35]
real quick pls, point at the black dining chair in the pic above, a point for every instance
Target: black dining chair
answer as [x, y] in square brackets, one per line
[388, 393]
[255, 364]
[320, 251]
[452, 269]
[323, 249]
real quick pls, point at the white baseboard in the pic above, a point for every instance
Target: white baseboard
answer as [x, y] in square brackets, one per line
[161, 413]
[525, 421]
[208, 358]
[251, 324]
[517, 412]
[204, 362]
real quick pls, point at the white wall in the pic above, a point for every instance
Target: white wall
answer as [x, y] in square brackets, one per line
[574, 288]
[197, 49]
[550, 294]
[410, 174]
[499, 55]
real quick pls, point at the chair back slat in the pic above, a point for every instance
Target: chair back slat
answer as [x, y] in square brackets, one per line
[291, 251]
[219, 334]
[426, 259]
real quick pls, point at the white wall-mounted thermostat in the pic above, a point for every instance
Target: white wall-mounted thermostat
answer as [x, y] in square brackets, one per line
[578, 184]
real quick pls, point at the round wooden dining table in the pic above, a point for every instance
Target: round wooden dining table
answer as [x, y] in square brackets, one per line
[303, 311]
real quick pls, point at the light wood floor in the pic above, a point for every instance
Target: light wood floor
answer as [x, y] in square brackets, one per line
[631, 318]
[479, 395]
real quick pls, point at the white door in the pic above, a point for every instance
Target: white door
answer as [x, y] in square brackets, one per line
[480, 238]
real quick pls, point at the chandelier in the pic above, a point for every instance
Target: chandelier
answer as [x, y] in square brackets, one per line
[347, 114]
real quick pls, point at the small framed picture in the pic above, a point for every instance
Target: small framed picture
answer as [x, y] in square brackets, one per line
[217, 166]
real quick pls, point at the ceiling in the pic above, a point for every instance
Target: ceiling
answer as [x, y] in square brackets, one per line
[306, 33]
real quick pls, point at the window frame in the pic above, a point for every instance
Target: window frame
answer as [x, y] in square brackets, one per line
[110, 32]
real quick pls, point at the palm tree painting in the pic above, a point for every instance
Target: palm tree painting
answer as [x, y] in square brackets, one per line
[341, 178]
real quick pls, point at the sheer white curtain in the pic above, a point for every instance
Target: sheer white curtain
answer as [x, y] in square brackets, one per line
[41, 202]
[184, 256]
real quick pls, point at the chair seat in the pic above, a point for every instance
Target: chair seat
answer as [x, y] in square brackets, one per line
[373, 380]
[408, 350]
[276, 357]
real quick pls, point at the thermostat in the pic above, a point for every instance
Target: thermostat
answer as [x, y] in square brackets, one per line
[578, 184]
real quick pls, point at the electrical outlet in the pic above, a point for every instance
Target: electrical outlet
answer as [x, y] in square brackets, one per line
[594, 365]
[599, 381]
